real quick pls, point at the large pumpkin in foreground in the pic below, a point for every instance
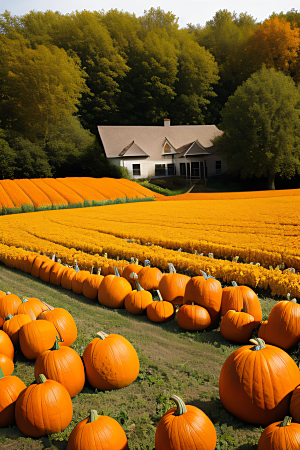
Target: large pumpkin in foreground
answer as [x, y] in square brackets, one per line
[110, 362]
[257, 381]
[185, 428]
[10, 388]
[99, 433]
[280, 436]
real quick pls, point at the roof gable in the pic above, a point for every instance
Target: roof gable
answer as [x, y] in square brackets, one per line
[132, 150]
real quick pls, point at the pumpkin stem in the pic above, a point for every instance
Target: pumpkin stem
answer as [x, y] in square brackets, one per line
[286, 421]
[42, 378]
[172, 268]
[205, 275]
[99, 271]
[1, 373]
[48, 306]
[93, 415]
[159, 296]
[234, 283]
[147, 262]
[259, 343]
[134, 276]
[102, 335]
[181, 408]
[24, 300]
[8, 317]
[56, 346]
[116, 271]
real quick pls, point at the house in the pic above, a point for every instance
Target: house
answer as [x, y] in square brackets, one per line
[156, 151]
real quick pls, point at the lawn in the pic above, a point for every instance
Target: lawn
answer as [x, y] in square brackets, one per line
[172, 362]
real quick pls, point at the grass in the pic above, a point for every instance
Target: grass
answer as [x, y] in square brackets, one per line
[172, 361]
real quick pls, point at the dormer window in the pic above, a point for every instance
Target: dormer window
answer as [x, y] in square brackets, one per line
[167, 148]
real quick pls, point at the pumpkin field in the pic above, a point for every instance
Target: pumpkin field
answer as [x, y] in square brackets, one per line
[169, 324]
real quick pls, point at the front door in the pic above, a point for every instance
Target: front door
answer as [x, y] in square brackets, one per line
[188, 170]
[195, 169]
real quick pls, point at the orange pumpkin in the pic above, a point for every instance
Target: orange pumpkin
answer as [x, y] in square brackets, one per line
[10, 388]
[206, 291]
[131, 268]
[237, 326]
[32, 307]
[89, 434]
[1, 322]
[91, 286]
[6, 365]
[107, 269]
[56, 273]
[110, 362]
[295, 404]
[160, 310]
[78, 279]
[36, 337]
[45, 270]
[241, 298]
[172, 286]
[37, 263]
[27, 262]
[9, 304]
[283, 325]
[63, 323]
[185, 427]
[6, 345]
[257, 381]
[67, 277]
[137, 301]
[44, 408]
[193, 318]
[13, 324]
[62, 364]
[280, 436]
[149, 278]
[113, 290]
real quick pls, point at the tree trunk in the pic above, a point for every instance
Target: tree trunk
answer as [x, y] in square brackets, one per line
[271, 180]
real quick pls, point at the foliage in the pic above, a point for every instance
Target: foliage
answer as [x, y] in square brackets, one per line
[261, 127]
[161, 190]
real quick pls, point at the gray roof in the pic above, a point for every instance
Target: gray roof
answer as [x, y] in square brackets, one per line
[120, 141]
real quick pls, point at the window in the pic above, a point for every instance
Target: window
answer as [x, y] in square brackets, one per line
[160, 170]
[218, 167]
[182, 169]
[167, 148]
[195, 169]
[171, 169]
[136, 169]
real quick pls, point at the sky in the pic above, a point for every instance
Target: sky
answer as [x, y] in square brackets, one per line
[188, 11]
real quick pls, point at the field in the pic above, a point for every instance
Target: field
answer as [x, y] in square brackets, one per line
[172, 361]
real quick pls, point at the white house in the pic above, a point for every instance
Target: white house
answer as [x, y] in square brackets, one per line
[149, 151]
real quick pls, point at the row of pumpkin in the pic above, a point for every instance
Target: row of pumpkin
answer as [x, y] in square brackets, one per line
[201, 299]
[250, 388]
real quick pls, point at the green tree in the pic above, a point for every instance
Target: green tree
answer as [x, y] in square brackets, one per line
[261, 127]
[7, 158]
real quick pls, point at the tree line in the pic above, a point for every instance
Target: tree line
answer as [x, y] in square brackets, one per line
[61, 75]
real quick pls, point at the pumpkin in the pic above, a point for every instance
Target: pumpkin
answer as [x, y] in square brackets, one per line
[160, 310]
[193, 318]
[280, 436]
[6, 345]
[295, 404]
[107, 269]
[56, 273]
[98, 432]
[283, 325]
[37, 263]
[9, 304]
[91, 285]
[237, 326]
[62, 364]
[172, 286]
[113, 290]
[45, 270]
[206, 291]
[78, 279]
[32, 307]
[133, 267]
[36, 337]
[185, 427]
[13, 324]
[137, 301]
[149, 278]
[67, 277]
[241, 298]
[63, 322]
[1, 322]
[27, 262]
[10, 388]
[110, 362]
[6, 365]
[256, 383]
[44, 408]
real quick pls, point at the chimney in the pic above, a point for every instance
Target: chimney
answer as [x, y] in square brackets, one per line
[167, 122]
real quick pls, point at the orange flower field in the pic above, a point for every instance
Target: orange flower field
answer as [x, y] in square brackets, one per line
[251, 238]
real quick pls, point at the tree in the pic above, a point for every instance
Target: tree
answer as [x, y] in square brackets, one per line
[261, 127]
[7, 158]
